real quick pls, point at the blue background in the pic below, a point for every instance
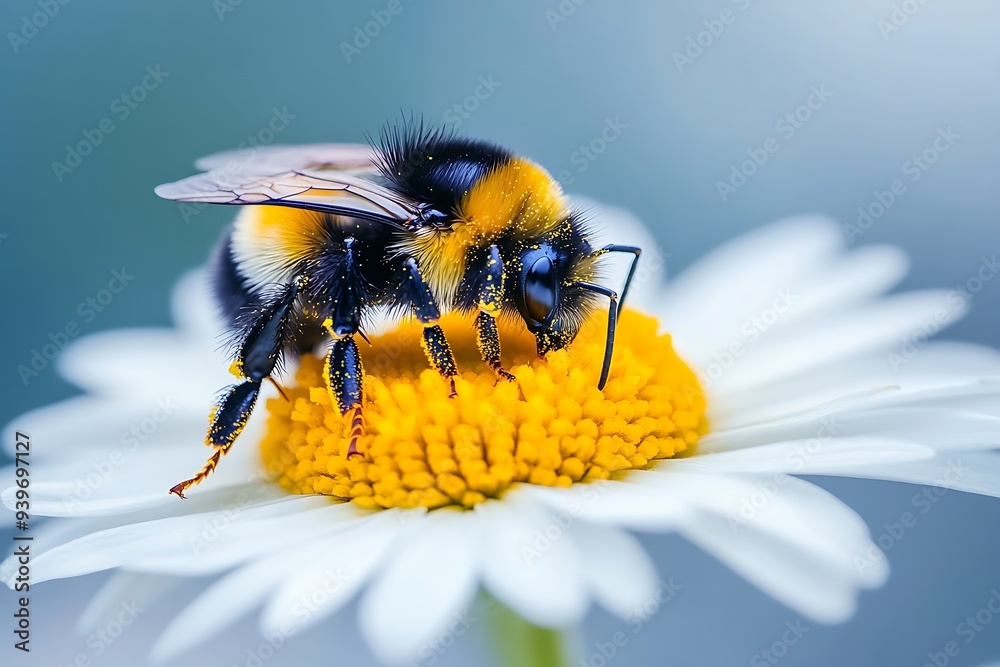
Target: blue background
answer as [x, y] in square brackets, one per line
[560, 81]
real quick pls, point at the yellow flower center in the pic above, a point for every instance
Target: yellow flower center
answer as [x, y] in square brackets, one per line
[551, 427]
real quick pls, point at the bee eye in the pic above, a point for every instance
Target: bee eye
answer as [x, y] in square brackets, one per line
[540, 291]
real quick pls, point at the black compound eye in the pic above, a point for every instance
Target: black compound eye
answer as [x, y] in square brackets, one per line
[540, 290]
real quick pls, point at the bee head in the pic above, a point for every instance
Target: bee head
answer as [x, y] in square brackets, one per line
[537, 291]
[552, 306]
[554, 294]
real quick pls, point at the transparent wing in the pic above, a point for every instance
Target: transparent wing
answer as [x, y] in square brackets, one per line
[311, 156]
[331, 178]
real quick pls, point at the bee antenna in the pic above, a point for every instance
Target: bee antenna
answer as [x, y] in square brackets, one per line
[632, 250]
[609, 347]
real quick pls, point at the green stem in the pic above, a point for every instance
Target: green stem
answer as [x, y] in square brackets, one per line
[519, 643]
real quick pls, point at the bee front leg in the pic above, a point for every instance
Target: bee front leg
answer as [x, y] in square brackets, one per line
[263, 340]
[490, 288]
[426, 310]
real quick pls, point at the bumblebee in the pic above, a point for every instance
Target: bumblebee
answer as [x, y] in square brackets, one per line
[417, 223]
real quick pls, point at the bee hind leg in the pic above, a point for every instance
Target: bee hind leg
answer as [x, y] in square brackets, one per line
[227, 421]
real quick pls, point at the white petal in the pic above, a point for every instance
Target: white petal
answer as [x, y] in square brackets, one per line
[221, 604]
[803, 457]
[801, 347]
[972, 472]
[59, 531]
[938, 428]
[424, 588]
[69, 427]
[846, 280]
[617, 569]
[790, 508]
[794, 540]
[121, 588]
[332, 573]
[790, 576]
[937, 365]
[118, 481]
[611, 503]
[529, 565]
[145, 364]
[192, 544]
[706, 305]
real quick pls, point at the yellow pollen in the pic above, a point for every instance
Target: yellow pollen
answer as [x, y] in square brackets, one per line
[551, 427]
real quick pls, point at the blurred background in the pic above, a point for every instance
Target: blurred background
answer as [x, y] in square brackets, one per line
[881, 114]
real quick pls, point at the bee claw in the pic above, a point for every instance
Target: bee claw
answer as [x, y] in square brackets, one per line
[504, 375]
[279, 388]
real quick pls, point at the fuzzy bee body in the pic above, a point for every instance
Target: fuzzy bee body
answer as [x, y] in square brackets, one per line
[419, 224]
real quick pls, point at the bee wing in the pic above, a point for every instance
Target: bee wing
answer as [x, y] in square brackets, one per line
[330, 178]
[312, 156]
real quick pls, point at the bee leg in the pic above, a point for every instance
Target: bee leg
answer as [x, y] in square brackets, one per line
[426, 310]
[263, 341]
[489, 345]
[345, 381]
[490, 288]
[228, 419]
[344, 373]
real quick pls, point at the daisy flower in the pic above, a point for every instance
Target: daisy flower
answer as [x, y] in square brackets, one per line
[777, 355]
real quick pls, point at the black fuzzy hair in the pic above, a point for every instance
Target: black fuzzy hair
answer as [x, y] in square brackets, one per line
[431, 164]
